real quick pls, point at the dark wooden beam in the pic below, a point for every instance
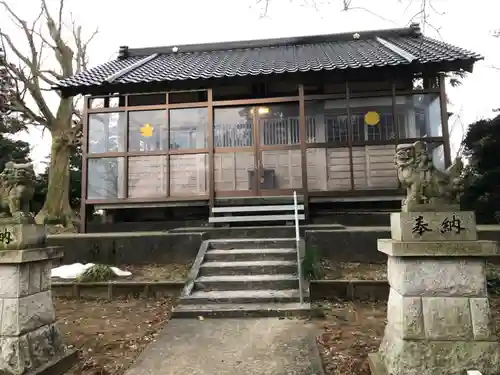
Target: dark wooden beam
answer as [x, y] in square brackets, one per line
[83, 196]
[210, 141]
[303, 148]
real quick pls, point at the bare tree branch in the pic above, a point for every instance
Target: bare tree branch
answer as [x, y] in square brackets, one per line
[369, 11]
[32, 63]
[51, 51]
[425, 10]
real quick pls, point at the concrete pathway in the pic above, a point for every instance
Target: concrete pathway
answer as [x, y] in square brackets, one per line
[266, 346]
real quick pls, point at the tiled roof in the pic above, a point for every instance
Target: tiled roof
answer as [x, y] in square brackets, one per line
[368, 49]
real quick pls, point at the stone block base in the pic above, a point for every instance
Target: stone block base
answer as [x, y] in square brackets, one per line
[445, 277]
[420, 357]
[15, 235]
[31, 351]
[30, 342]
[436, 318]
[433, 226]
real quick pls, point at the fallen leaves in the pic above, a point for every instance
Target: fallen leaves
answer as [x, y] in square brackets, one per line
[158, 272]
[347, 334]
[353, 271]
[110, 334]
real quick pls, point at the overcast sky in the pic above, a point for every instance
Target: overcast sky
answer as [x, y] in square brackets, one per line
[465, 23]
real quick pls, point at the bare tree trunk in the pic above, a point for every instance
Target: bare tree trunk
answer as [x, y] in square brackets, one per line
[56, 208]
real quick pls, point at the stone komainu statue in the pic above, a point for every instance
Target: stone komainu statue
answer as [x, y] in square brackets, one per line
[427, 188]
[16, 189]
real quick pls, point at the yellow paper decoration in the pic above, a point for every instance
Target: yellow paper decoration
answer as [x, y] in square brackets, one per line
[147, 130]
[372, 118]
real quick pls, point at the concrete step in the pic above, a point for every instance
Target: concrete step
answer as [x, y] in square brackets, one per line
[255, 218]
[259, 267]
[253, 243]
[253, 282]
[251, 254]
[268, 310]
[241, 296]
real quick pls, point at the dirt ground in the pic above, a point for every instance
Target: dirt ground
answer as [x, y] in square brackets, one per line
[110, 334]
[156, 272]
[353, 271]
[152, 272]
[349, 331]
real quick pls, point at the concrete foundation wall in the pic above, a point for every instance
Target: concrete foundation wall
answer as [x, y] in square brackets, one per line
[355, 244]
[126, 248]
[360, 244]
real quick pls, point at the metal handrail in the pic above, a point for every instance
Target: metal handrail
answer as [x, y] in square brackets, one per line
[297, 244]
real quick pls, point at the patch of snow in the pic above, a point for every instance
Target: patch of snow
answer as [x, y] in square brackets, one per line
[75, 270]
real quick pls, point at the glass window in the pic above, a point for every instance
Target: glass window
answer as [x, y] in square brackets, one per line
[282, 88]
[326, 121]
[232, 92]
[181, 97]
[147, 99]
[106, 132]
[105, 178]
[233, 127]
[147, 131]
[278, 124]
[372, 119]
[107, 102]
[370, 86]
[188, 128]
[436, 150]
[419, 116]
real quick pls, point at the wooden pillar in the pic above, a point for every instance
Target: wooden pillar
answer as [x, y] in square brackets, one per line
[395, 121]
[84, 143]
[349, 132]
[167, 155]
[125, 157]
[303, 148]
[444, 120]
[210, 144]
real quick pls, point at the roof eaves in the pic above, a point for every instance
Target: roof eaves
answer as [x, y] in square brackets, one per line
[113, 77]
[398, 51]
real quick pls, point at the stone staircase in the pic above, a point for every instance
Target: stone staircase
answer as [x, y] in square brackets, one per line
[244, 278]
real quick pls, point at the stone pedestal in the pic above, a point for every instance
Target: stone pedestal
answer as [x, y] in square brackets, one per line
[438, 315]
[30, 343]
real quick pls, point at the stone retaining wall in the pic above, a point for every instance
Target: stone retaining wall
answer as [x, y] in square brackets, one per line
[128, 248]
[357, 244]
[354, 244]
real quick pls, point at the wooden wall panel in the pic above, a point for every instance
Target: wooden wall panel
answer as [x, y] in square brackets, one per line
[328, 169]
[359, 167]
[147, 176]
[380, 162]
[316, 169]
[188, 175]
[339, 169]
[231, 170]
[374, 167]
[287, 167]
